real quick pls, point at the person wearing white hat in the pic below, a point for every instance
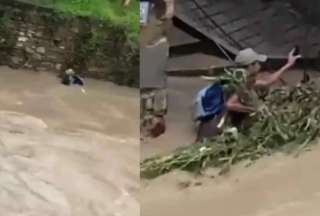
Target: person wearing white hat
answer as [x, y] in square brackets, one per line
[209, 108]
[70, 78]
[251, 61]
[249, 56]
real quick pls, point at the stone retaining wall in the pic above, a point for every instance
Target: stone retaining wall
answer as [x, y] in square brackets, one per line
[44, 40]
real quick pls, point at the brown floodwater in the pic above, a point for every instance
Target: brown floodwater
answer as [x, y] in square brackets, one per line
[66, 153]
[276, 186]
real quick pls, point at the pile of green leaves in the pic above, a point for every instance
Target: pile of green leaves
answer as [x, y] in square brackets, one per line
[287, 121]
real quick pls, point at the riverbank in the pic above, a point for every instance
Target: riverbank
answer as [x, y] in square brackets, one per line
[56, 37]
[110, 11]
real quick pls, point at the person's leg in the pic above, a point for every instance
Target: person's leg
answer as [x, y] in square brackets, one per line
[198, 137]
[65, 80]
[159, 127]
[238, 119]
[208, 128]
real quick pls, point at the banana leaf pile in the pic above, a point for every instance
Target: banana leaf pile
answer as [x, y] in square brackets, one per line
[288, 121]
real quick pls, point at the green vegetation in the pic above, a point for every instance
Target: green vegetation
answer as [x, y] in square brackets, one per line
[110, 10]
[7, 39]
[287, 121]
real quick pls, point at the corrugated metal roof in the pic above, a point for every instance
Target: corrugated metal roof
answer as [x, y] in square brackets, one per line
[178, 37]
[269, 27]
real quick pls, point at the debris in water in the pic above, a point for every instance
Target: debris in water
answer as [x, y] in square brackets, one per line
[83, 91]
[198, 184]
[16, 132]
[184, 185]
[288, 122]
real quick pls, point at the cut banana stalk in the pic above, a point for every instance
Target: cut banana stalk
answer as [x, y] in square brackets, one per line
[83, 91]
[222, 121]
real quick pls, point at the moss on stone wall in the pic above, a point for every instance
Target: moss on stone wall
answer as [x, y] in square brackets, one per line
[7, 37]
[44, 39]
[110, 11]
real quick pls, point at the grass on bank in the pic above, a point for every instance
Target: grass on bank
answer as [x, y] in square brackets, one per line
[109, 10]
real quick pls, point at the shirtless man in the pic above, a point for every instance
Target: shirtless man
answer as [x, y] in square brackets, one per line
[251, 61]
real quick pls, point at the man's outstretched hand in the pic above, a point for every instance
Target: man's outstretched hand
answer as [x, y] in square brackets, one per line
[292, 58]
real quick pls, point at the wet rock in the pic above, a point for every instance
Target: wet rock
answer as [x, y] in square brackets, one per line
[41, 50]
[31, 32]
[37, 56]
[28, 65]
[29, 50]
[41, 68]
[22, 39]
[47, 65]
[58, 67]
[39, 34]
[52, 58]
[16, 60]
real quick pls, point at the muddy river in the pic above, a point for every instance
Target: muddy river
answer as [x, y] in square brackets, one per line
[66, 153]
[275, 186]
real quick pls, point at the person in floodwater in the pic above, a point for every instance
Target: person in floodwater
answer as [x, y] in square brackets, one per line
[212, 103]
[70, 78]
